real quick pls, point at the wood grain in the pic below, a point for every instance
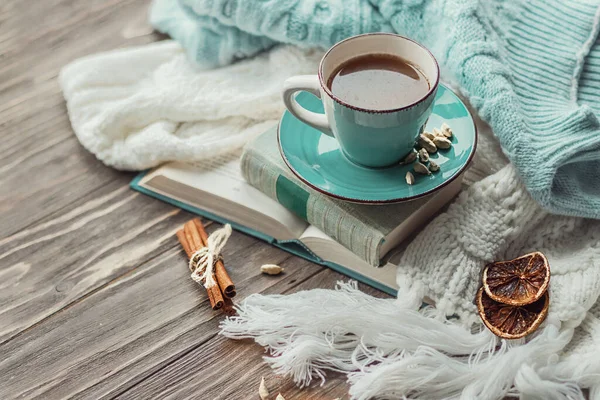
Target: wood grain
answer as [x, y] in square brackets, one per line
[95, 296]
[238, 378]
[136, 324]
[42, 166]
[56, 261]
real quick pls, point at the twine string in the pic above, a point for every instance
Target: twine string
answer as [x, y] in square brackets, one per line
[202, 262]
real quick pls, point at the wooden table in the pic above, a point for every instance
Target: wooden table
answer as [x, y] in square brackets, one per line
[95, 295]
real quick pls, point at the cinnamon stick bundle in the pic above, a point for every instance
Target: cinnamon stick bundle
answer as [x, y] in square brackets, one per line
[223, 279]
[193, 237]
[191, 244]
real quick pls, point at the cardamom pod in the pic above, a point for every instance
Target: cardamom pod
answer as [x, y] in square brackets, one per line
[442, 143]
[271, 269]
[427, 144]
[446, 130]
[410, 178]
[433, 167]
[428, 135]
[437, 133]
[423, 156]
[263, 392]
[421, 168]
[412, 156]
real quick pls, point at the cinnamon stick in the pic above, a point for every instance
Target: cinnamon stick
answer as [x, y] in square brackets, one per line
[184, 243]
[228, 307]
[221, 275]
[191, 242]
[193, 236]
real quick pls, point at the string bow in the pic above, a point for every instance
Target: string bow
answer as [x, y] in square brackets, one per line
[202, 263]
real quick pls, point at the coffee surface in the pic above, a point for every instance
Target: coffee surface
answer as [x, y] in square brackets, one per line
[378, 82]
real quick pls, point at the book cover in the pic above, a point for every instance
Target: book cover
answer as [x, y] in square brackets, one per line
[360, 228]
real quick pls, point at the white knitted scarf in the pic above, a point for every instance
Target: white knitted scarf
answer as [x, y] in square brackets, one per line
[136, 108]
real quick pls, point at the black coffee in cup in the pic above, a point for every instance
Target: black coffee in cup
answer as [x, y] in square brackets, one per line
[378, 82]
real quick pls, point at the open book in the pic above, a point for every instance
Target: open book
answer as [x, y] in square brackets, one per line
[216, 189]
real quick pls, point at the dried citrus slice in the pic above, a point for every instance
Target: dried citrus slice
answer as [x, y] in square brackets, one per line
[517, 282]
[511, 322]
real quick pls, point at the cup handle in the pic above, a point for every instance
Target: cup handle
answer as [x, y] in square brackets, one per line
[308, 83]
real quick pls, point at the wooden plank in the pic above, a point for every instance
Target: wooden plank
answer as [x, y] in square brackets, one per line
[63, 257]
[228, 369]
[42, 166]
[224, 369]
[45, 38]
[137, 323]
[28, 84]
[47, 181]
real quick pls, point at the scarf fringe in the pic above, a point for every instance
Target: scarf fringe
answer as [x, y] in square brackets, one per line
[562, 380]
[487, 373]
[390, 349]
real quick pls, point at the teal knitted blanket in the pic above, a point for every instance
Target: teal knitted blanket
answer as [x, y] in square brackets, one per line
[530, 67]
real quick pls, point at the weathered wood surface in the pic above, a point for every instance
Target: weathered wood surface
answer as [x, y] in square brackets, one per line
[95, 296]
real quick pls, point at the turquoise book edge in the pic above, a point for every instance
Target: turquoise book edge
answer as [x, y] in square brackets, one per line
[291, 246]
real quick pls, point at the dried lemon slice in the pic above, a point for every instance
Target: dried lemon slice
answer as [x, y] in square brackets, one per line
[511, 322]
[517, 282]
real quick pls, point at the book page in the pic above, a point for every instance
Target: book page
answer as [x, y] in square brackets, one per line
[226, 165]
[221, 177]
[314, 232]
[330, 250]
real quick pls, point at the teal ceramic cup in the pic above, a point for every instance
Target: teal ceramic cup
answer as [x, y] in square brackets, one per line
[372, 138]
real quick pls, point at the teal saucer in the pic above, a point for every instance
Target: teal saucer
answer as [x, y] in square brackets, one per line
[316, 158]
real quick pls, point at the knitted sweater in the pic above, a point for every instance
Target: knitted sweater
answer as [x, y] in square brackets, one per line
[530, 67]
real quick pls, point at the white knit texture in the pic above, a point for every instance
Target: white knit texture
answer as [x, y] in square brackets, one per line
[136, 108]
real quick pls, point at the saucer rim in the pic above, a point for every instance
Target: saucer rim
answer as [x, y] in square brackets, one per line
[389, 201]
